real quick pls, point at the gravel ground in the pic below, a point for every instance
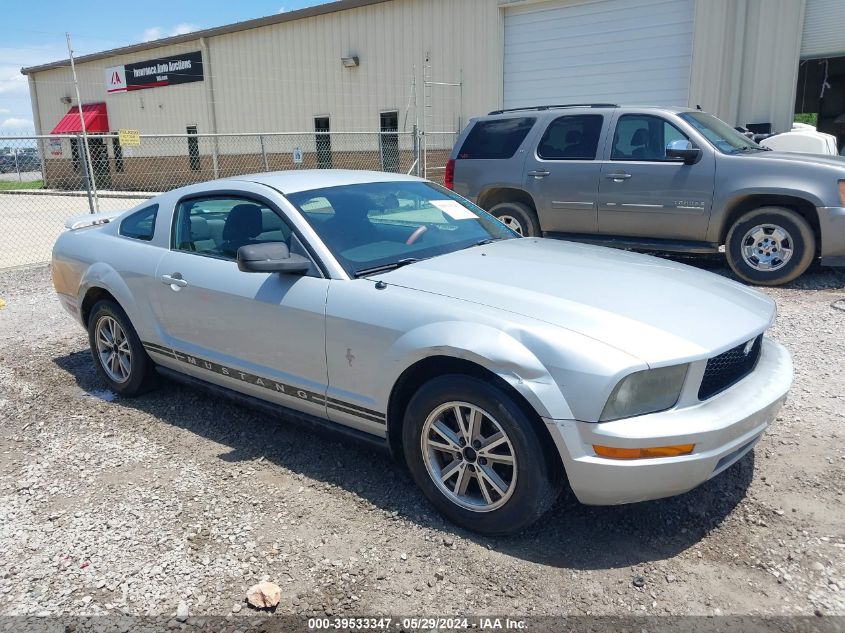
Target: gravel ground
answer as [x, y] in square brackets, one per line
[112, 505]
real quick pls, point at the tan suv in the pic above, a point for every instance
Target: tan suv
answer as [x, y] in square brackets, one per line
[660, 179]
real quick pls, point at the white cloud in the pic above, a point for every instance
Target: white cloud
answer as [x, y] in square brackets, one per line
[5, 111]
[13, 123]
[282, 10]
[158, 32]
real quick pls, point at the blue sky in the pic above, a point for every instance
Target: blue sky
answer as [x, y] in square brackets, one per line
[34, 33]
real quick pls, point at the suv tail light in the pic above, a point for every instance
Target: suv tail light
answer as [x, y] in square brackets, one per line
[449, 175]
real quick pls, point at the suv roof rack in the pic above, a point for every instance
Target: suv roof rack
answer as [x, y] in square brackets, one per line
[555, 107]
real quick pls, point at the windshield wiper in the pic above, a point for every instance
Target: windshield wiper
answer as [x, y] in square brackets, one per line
[488, 240]
[384, 267]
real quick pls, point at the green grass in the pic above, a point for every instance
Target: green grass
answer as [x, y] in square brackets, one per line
[811, 118]
[9, 185]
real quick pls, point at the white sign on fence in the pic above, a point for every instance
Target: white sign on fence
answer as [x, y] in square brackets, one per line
[55, 147]
[297, 155]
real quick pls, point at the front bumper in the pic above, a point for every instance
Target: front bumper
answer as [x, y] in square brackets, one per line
[832, 230]
[723, 429]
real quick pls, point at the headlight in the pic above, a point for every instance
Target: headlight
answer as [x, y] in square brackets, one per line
[644, 392]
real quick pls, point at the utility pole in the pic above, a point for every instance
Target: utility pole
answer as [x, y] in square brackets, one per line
[89, 166]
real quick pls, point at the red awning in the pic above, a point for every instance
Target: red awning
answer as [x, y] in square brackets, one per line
[96, 120]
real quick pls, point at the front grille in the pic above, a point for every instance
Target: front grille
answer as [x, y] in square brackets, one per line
[729, 367]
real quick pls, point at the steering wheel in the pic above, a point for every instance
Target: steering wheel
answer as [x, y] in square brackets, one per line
[417, 234]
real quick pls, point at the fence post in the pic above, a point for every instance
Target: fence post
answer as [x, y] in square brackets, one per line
[416, 150]
[84, 164]
[263, 152]
[17, 167]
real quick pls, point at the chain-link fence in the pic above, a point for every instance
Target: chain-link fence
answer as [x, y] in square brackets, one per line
[44, 180]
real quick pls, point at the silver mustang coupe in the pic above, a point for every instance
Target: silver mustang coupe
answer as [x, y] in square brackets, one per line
[499, 369]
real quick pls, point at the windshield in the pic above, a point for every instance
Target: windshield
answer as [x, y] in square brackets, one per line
[721, 135]
[381, 225]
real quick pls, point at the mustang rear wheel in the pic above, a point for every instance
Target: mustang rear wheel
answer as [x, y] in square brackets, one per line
[477, 456]
[770, 246]
[118, 353]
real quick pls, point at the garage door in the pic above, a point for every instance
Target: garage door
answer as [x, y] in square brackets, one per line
[618, 51]
[824, 29]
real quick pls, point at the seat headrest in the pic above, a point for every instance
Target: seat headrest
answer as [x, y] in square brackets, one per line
[573, 136]
[243, 222]
[200, 229]
[640, 137]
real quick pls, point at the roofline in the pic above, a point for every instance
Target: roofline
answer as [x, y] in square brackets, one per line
[289, 16]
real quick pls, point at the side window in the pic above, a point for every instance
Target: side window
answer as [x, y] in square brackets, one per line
[496, 138]
[571, 137]
[219, 226]
[643, 137]
[140, 225]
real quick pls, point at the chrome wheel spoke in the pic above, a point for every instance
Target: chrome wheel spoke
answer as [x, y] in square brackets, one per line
[450, 470]
[447, 434]
[462, 481]
[492, 442]
[489, 476]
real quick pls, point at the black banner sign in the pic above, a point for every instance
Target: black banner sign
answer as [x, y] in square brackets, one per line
[165, 71]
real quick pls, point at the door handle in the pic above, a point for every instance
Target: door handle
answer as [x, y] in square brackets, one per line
[618, 176]
[538, 173]
[174, 280]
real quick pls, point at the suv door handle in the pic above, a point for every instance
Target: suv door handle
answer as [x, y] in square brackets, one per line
[174, 280]
[618, 176]
[538, 173]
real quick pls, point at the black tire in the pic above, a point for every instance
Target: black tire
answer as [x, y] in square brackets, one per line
[141, 372]
[536, 485]
[519, 217]
[802, 241]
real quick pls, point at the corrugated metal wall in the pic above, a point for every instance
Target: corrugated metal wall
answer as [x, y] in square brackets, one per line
[745, 60]
[824, 29]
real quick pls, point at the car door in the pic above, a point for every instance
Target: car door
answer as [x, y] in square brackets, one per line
[259, 333]
[562, 173]
[642, 193]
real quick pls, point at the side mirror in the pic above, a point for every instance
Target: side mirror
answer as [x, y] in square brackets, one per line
[271, 257]
[683, 149]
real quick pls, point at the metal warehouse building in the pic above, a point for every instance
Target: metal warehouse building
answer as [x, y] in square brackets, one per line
[386, 66]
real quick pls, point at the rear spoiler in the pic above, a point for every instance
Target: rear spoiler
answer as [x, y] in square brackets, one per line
[91, 219]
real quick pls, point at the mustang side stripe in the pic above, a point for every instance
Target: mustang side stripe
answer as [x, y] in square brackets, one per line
[268, 383]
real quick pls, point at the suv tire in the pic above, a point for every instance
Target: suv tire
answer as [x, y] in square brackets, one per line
[518, 217]
[519, 480]
[118, 354]
[770, 246]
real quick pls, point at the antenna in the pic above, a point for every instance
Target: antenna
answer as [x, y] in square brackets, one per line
[89, 167]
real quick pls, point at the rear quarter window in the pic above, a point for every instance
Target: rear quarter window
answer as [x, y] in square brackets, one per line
[141, 224]
[496, 138]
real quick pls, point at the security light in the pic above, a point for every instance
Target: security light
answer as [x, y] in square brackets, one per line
[349, 62]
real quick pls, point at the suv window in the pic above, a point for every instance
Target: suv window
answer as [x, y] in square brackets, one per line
[496, 138]
[219, 226]
[643, 137]
[571, 137]
[141, 224]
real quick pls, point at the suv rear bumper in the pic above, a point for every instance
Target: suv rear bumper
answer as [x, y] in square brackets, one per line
[832, 230]
[723, 429]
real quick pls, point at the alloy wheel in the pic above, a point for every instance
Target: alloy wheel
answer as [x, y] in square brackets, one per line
[469, 456]
[767, 247]
[113, 349]
[512, 223]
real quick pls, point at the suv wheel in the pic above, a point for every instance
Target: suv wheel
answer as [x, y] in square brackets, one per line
[477, 456]
[770, 246]
[118, 354]
[518, 217]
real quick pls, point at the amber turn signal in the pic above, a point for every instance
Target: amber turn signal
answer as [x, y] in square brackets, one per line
[643, 453]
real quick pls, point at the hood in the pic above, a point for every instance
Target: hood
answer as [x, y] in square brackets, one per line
[798, 157]
[654, 309]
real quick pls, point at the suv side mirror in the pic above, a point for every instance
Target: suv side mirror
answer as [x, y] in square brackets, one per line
[683, 149]
[271, 257]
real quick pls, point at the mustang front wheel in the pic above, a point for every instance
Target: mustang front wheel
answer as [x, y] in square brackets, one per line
[477, 456]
